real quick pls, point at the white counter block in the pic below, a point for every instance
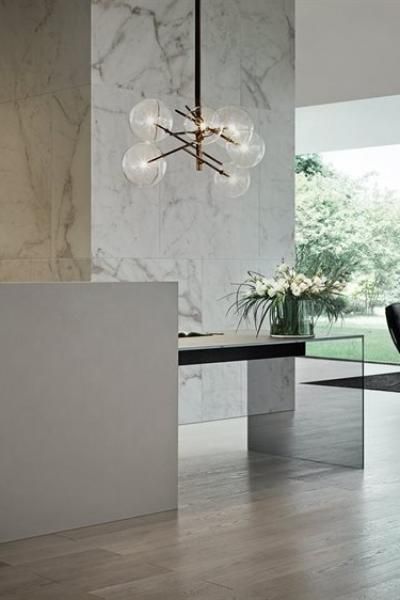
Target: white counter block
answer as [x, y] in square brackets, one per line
[88, 421]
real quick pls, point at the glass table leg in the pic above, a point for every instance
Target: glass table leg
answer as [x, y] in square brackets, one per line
[325, 420]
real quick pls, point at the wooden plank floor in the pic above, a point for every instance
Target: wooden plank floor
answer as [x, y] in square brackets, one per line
[248, 528]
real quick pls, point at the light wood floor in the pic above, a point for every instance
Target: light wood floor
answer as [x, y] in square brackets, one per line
[248, 528]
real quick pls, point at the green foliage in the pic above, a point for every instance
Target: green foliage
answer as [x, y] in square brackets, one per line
[311, 165]
[351, 226]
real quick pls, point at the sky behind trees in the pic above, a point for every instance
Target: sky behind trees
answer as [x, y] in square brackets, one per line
[383, 160]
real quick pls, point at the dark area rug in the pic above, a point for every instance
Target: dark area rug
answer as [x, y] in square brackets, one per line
[385, 382]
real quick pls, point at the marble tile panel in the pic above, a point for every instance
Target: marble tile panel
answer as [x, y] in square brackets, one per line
[223, 403]
[145, 46]
[186, 272]
[221, 23]
[44, 46]
[267, 78]
[71, 182]
[277, 221]
[277, 129]
[271, 385]
[219, 277]
[221, 377]
[221, 75]
[68, 269]
[267, 24]
[267, 54]
[14, 270]
[196, 221]
[223, 388]
[125, 218]
[36, 270]
[247, 59]
[190, 394]
[25, 159]
[41, 270]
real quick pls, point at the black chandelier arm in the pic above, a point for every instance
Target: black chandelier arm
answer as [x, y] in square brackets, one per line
[165, 154]
[194, 154]
[177, 135]
[184, 132]
[193, 112]
[225, 137]
[191, 117]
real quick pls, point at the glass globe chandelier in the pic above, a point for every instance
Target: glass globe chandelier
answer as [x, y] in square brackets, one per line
[144, 164]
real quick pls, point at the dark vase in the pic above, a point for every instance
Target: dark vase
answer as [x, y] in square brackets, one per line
[292, 317]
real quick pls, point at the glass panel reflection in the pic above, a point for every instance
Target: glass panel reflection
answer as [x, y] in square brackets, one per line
[327, 423]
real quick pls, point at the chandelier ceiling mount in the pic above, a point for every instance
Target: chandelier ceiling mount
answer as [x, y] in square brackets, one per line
[144, 164]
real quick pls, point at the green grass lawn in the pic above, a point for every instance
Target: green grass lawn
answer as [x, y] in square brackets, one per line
[378, 344]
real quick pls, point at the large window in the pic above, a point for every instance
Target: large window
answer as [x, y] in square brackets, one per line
[348, 213]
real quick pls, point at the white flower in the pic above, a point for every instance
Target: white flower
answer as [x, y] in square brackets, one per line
[339, 285]
[283, 268]
[268, 282]
[282, 285]
[317, 285]
[308, 282]
[261, 288]
[300, 277]
[295, 289]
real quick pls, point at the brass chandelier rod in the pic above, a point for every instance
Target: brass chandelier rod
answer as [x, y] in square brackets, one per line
[195, 114]
[231, 127]
[194, 154]
[197, 83]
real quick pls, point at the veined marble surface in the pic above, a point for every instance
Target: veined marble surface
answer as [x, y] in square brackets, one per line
[44, 46]
[181, 230]
[187, 272]
[71, 168]
[45, 140]
[25, 192]
[158, 37]
[45, 164]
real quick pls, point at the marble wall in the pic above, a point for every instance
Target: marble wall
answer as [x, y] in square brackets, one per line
[181, 230]
[45, 140]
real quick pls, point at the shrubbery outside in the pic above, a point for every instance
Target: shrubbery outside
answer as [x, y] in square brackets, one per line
[352, 222]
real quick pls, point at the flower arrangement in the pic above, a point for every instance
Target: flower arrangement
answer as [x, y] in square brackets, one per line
[291, 299]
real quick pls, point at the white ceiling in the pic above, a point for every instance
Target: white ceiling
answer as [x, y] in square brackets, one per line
[346, 50]
[345, 125]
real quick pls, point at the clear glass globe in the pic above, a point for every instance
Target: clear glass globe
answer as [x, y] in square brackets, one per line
[236, 184]
[136, 166]
[236, 125]
[209, 123]
[249, 154]
[146, 115]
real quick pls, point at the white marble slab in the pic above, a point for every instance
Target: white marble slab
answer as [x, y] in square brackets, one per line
[45, 140]
[125, 219]
[44, 46]
[25, 193]
[186, 272]
[71, 181]
[159, 37]
[190, 394]
[183, 229]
